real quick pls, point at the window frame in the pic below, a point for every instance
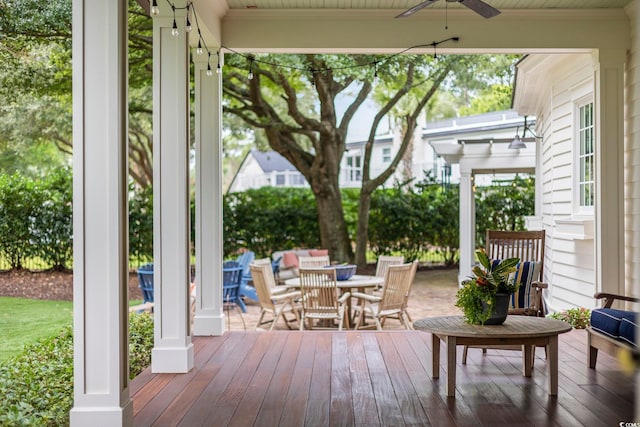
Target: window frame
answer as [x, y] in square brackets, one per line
[580, 180]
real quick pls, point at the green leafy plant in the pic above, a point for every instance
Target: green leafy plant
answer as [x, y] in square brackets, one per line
[490, 278]
[578, 317]
[37, 385]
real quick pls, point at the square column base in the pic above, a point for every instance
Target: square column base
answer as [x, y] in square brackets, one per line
[208, 325]
[168, 360]
[99, 416]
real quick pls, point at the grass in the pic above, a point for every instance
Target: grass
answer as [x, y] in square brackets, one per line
[24, 321]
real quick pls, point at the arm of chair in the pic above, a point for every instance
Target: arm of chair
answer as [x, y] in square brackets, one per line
[368, 297]
[344, 297]
[539, 285]
[290, 295]
[610, 298]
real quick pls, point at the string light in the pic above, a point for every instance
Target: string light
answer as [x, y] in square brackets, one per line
[373, 63]
[174, 29]
[250, 75]
[190, 7]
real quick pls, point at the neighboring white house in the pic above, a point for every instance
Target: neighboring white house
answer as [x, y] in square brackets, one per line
[259, 169]
[266, 168]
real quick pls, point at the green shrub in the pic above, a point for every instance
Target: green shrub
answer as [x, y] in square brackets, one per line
[579, 318]
[37, 385]
[19, 199]
[140, 342]
[52, 233]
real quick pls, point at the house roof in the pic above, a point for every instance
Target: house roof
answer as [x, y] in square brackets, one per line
[271, 161]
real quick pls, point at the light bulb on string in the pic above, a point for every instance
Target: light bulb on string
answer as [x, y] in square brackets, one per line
[154, 7]
[174, 29]
[218, 67]
[375, 72]
[199, 48]
[209, 71]
[188, 25]
[250, 75]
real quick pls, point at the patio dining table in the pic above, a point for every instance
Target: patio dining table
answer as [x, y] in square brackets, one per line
[359, 282]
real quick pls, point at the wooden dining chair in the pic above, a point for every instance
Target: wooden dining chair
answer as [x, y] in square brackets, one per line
[385, 261]
[278, 305]
[321, 299]
[313, 261]
[393, 301]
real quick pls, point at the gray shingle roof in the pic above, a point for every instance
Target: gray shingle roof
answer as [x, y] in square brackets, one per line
[271, 161]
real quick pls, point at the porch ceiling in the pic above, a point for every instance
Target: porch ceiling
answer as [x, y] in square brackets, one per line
[406, 4]
[359, 26]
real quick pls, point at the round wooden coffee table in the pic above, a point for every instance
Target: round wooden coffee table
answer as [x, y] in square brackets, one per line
[526, 331]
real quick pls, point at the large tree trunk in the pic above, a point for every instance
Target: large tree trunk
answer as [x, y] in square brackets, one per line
[362, 234]
[333, 228]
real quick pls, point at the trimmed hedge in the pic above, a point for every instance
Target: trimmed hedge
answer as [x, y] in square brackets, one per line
[37, 385]
[35, 219]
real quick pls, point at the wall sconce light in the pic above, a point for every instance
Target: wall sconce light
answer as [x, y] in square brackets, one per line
[517, 142]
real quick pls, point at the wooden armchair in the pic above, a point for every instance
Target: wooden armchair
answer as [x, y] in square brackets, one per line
[321, 299]
[611, 329]
[528, 246]
[277, 304]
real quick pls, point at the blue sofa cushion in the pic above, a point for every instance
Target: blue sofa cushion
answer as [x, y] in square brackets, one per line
[617, 324]
[628, 328]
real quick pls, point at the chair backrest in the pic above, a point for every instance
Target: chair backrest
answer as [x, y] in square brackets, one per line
[385, 261]
[231, 279]
[313, 261]
[244, 260]
[397, 286]
[263, 281]
[145, 280]
[320, 293]
[526, 245]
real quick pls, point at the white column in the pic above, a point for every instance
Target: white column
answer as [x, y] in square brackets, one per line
[209, 319]
[467, 224]
[100, 259]
[173, 350]
[609, 173]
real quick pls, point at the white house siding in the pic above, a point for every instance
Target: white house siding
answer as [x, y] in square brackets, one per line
[249, 176]
[632, 157]
[569, 254]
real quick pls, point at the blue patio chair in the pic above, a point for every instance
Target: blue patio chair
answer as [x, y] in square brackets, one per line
[145, 280]
[231, 278]
[245, 289]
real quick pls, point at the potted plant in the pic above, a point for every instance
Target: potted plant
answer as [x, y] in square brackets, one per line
[487, 293]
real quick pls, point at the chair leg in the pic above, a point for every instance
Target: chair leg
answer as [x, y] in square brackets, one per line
[464, 354]
[262, 313]
[244, 325]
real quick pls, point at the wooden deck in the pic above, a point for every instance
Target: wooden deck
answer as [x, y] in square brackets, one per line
[319, 378]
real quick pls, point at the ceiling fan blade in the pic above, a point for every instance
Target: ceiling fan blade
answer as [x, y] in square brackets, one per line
[481, 8]
[416, 8]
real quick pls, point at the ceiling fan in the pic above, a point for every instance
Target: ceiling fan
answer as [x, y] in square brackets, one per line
[478, 6]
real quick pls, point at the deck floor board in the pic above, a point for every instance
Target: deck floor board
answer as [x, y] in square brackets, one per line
[366, 378]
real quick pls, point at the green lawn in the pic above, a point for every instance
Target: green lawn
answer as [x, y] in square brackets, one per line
[24, 321]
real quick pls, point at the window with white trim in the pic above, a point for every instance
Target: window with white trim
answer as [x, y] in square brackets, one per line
[386, 155]
[354, 168]
[586, 156]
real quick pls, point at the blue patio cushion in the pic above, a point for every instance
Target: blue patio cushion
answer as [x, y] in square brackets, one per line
[628, 328]
[617, 324]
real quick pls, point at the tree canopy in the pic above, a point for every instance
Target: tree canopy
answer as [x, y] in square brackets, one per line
[292, 100]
